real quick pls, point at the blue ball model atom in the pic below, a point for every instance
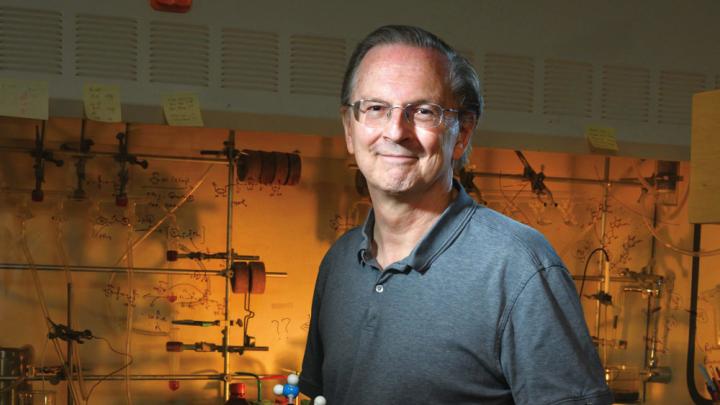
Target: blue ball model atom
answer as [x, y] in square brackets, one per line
[291, 390]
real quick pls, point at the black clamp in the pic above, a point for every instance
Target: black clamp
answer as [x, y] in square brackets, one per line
[84, 149]
[228, 151]
[248, 341]
[666, 178]
[40, 154]
[124, 157]
[603, 297]
[67, 334]
[537, 180]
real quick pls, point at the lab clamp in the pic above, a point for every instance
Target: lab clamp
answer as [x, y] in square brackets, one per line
[40, 154]
[123, 157]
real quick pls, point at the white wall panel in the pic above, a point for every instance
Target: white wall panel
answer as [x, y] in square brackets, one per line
[277, 65]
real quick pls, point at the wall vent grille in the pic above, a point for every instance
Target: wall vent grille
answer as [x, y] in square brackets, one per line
[625, 93]
[567, 88]
[179, 53]
[509, 83]
[317, 65]
[250, 60]
[675, 90]
[106, 47]
[30, 40]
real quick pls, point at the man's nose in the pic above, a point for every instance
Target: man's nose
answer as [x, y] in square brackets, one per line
[398, 126]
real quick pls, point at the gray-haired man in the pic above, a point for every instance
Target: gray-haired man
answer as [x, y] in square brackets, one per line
[436, 299]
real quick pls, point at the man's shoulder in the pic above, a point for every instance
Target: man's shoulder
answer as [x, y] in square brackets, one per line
[500, 227]
[348, 243]
[352, 237]
[504, 234]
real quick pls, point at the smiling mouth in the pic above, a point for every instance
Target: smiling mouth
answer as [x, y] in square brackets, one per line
[399, 157]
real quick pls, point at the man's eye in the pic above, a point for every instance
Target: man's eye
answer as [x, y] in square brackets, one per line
[375, 108]
[425, 111]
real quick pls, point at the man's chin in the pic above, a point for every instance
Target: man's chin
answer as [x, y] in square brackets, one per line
[395, 188]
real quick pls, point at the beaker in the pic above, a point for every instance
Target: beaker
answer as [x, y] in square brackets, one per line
[624, 382]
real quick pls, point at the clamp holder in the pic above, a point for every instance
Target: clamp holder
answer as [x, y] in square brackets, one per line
[124, 157]
[40, 154]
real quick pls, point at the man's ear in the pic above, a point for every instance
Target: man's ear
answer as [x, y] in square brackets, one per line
[466, 127]
[345, 115]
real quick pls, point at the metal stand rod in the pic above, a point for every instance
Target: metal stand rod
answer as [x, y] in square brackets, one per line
[69, 343]
[111, 269]
[651, 346]
[690, 368]
[136, 377]
[174, 158]
[600, 279]
[86, 155]
[606, 279]
[605, 181]
[230, 150]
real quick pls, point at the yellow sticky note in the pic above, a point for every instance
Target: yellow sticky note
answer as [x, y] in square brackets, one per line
[102, 102]
[601, 138]
[24, 98]
[182, 109]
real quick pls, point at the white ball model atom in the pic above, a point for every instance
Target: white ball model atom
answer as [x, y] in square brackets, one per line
[320, 400]
[293, 379]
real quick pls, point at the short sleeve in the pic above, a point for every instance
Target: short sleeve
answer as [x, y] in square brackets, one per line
[546, 352]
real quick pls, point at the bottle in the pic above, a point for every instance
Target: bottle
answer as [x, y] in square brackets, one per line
[237, 395]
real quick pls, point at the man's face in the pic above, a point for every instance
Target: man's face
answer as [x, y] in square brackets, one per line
[400, 158]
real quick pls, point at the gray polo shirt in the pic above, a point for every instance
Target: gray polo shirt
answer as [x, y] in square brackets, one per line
[482, 311]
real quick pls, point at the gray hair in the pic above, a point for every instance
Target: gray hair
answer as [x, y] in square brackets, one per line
[463, 79]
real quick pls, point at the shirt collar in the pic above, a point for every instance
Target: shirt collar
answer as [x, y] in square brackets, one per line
[436, 240]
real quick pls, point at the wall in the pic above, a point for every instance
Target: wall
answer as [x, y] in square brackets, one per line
[549, 69]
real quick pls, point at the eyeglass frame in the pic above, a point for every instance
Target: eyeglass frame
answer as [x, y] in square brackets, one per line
[355, 107]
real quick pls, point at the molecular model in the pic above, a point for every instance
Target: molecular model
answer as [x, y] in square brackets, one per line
[291, 391]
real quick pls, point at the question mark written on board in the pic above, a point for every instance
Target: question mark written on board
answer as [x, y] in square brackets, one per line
[285, 323]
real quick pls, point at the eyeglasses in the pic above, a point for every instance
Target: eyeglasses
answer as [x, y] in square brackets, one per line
[376, 114]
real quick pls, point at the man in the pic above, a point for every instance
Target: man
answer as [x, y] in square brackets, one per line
[436, 299]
